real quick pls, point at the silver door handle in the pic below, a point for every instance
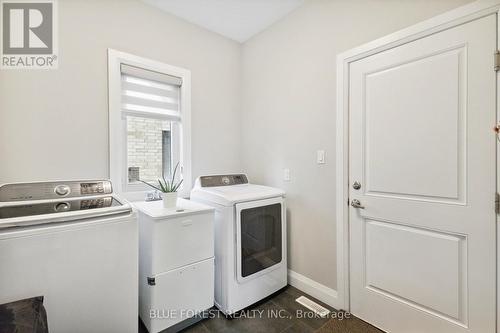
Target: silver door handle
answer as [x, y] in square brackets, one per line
[357, 204]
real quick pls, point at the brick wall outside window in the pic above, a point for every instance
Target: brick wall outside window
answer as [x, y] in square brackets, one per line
[145, 146]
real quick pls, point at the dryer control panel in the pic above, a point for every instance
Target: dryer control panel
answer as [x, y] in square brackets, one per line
[223, 180]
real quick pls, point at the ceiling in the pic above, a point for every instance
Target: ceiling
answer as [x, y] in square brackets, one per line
[236, 19]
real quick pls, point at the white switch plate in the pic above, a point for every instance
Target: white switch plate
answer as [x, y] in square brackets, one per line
[286, 175]
[320, 157]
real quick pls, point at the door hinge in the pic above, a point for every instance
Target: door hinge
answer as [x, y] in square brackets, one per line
[151, 281]
[497, 203]
[497, 61]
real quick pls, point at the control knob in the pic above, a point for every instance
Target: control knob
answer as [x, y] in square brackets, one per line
[62, 207]
[62, 190]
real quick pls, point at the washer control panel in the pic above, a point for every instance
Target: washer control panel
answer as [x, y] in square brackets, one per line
[51, 207]
[53, 190]
[93, 188]
[223, 180]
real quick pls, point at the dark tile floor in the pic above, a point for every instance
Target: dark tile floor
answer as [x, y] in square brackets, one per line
[280, 313]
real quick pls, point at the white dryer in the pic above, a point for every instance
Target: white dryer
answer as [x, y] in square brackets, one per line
[250, 239]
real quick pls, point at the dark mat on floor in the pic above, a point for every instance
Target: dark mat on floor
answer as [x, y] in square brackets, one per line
[24, 316]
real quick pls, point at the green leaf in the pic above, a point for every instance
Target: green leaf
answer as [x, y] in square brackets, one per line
[178, 185]
[150, 185]
[166, 184]
[162, 186]
[175, 171]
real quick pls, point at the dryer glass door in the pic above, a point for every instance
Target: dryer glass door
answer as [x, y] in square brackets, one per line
[260, 237]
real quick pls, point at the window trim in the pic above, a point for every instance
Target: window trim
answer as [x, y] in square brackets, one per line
[117, 127]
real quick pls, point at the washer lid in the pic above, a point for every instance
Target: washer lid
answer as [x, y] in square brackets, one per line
[230, 195]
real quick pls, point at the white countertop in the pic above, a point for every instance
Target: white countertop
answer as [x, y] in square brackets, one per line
[155, 209]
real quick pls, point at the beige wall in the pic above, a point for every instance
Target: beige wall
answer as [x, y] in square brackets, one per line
[288, 107]
[54, 124]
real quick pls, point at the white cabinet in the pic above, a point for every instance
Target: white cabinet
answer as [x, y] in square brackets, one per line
[176, 263]
[179, 295]
[183, 240]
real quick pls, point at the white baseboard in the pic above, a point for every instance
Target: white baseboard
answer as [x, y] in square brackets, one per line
[317, 290]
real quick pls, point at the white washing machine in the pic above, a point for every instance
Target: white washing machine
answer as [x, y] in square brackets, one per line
[76, 244]
[250, 239]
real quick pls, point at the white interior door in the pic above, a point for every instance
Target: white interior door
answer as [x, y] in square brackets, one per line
[422, 250]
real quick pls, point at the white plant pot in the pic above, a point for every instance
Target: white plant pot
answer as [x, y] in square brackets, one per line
[169, 199]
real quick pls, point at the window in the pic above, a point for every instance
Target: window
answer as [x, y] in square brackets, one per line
[151, 105]
[149, 122]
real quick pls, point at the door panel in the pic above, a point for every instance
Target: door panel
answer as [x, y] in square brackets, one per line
[390, 95]
[259, 237]
[422, 251]
[436, 290]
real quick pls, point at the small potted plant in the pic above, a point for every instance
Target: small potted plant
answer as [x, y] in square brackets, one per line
[168, 189]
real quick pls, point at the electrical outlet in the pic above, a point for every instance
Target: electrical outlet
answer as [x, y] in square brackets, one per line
[286, 175]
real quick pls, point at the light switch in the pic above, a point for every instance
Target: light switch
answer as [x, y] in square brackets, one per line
[320, 157]
[286, 175]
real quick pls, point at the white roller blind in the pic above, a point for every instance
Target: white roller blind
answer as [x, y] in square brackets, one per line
[150, 94]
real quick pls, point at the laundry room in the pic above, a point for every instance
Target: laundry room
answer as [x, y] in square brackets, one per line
[249, 166]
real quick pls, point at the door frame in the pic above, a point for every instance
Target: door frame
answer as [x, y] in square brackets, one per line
[431, 26]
